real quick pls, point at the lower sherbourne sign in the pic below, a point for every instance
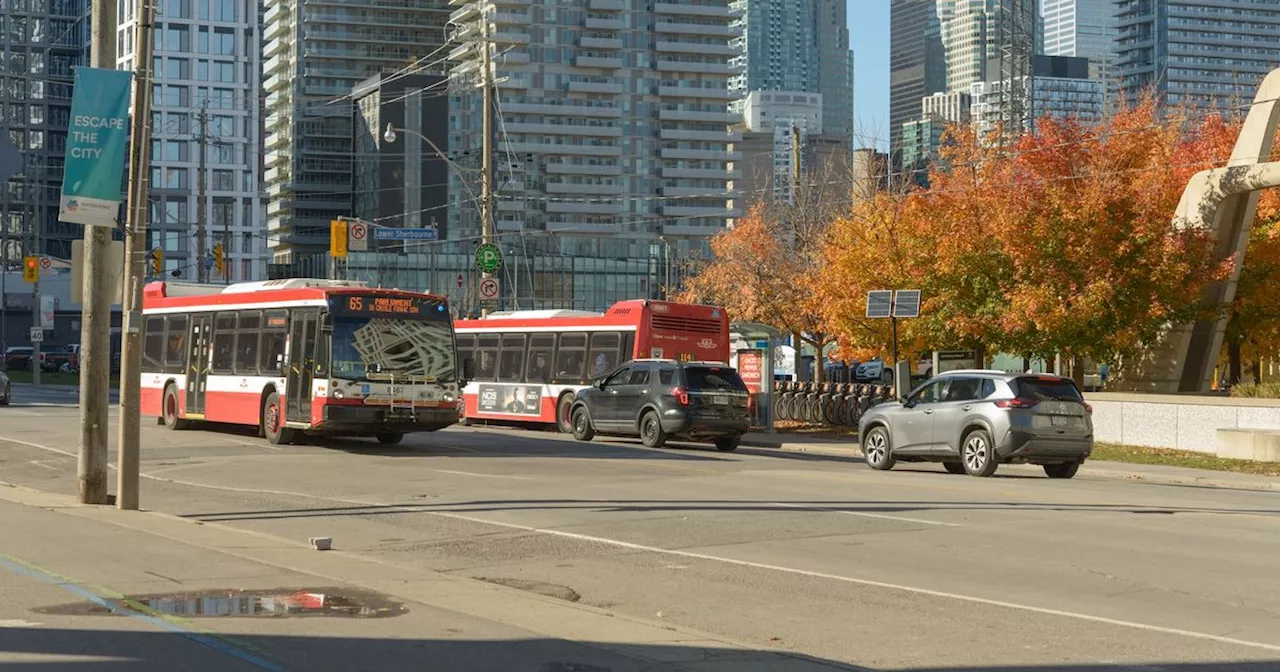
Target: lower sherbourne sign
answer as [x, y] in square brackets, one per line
[97, 139]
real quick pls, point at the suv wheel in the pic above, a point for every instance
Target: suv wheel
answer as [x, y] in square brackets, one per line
[582, 429]
[978, 454]
[651, 431]
[728, 444]
[877, 449]
[1067, 470]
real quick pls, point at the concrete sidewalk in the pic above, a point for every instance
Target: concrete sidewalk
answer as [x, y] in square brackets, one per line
[65, 568]
[1149, 473]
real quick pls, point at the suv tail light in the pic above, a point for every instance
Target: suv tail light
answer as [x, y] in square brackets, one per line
[681, 395]
[1015, 403]
[1088, 408]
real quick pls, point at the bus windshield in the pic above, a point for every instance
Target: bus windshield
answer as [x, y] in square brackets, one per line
[386, 349]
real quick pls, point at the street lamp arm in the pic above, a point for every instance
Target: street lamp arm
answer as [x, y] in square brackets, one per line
[389, 135]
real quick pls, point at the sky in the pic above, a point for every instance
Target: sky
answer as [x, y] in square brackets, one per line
[869, 39]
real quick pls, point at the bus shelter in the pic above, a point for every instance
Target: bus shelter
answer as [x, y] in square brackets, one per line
[753, 357]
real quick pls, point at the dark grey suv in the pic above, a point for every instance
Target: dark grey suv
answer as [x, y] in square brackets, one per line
[972, 421]
[658, 399]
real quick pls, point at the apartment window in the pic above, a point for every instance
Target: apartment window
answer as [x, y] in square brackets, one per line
[176, 38]
[224, 41]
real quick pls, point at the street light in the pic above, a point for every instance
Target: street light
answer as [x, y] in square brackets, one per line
[390, 135]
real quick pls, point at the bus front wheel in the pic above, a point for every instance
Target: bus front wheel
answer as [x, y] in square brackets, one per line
[273, 421]
[170, 410]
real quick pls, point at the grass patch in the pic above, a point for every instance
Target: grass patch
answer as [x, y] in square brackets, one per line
[55, 378]
[1257, 390]
[1181, 458]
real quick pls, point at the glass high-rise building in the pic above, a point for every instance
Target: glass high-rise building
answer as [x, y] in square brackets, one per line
[38, 47]
[1206, 55]
[1081, 28]
[917, 66]
[801, 46]
[612, 121]
[314, 53]
[207, 74]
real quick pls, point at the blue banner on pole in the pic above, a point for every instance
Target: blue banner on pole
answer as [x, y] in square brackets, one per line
[383, 233]
[97, 140]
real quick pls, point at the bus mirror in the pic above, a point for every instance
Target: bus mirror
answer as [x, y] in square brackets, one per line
[468, 369]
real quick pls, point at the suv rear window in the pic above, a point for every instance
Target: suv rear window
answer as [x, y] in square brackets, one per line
[707, 378]
[1047, 389]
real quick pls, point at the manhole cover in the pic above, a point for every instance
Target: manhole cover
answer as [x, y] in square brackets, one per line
[283, 603]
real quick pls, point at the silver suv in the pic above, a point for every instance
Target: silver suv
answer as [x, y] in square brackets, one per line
[971, 421]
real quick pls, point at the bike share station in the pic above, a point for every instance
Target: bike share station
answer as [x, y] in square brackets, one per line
[756, 364]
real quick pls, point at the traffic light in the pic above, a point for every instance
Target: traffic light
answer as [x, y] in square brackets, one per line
[219, 262]
[157, 261]
[31, 269]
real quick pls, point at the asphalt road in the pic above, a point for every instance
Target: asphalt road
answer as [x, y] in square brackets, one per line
[912, 569]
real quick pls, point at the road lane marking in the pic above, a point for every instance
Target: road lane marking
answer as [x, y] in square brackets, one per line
[19, 623]
[412, 508]
[471, 473]
[864, 514]
[124, 607]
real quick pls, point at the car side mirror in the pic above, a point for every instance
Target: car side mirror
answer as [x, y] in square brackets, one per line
[600, 383]
[907, 403]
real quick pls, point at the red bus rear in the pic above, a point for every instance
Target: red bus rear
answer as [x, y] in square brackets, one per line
[528, 365]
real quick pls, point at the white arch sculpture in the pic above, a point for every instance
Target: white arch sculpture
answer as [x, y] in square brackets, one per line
[1225, 200]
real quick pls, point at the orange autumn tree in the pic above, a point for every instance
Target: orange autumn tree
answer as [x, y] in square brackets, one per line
[759, 272]
[1253, 325]
[1061, 242]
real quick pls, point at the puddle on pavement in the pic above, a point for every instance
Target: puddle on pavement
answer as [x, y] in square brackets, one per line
[284, 603]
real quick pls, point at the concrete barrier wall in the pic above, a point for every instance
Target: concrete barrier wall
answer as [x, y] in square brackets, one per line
[1176, 421]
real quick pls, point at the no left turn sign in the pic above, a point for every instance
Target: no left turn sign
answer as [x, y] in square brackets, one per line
[358, 234]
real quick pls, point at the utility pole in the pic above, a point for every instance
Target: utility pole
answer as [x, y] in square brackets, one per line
[95, 322]
[486, 151]
[795, 164]
[135, 255]
[202, 273]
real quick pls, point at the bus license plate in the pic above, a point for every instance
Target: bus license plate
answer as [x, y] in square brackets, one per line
[719, 400]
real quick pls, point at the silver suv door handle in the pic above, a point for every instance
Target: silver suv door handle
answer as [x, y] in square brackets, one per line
[928, 411]
[966, 407]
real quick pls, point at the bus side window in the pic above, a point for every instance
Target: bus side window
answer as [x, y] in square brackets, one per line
[571, 359]
[224, 342]
[274, 333]
[541, 350]
[629, 347]
[511, 362]
[247, 343]
[153, 344]
[466, 351]
[487, 357]
[175, 352]
[604, 352]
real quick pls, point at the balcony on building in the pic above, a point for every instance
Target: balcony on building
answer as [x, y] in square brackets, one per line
[697, 48]
[578, 207]
[607, 5]
[587, 189]
[722, 191]
[565, 129]
[709, 68]
[567, 150]
[699, 115]
[682, 230]
[584, 228]
[672, 210]
[565, 110]
[600, 43]
[701, 154]
[603, 24]
[691, 9]
[508, 35]
[610, 62]
[708, 135]
[595, 87]
[683, 26]
[700, 173]
[565, 168]
[696, 92]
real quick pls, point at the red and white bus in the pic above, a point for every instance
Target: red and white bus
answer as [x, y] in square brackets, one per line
[317, 356]
[527, 366]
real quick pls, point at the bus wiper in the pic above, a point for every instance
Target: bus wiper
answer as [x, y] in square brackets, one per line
[393, 376]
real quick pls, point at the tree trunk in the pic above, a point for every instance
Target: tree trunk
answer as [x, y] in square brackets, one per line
[1256, 368]
[1077, 371]
[1233, 361]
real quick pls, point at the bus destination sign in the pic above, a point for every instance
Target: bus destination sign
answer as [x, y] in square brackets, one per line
[366, 305]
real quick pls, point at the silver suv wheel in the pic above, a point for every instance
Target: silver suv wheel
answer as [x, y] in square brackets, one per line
[978, 454]
[877, 449]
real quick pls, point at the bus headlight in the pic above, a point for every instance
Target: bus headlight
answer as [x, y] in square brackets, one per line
[339, 394]
[448, 397]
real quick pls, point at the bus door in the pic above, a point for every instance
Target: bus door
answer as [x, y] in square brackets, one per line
[199, 349]
[301, 366]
